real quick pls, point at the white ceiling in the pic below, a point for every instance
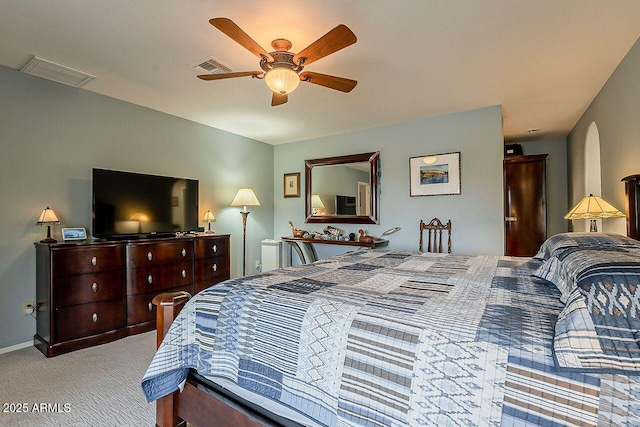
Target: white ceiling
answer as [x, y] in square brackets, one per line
[542, 60]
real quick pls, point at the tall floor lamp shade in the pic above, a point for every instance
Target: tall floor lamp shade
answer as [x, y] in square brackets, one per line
[46, 219]
[593, 207]
[244, 198]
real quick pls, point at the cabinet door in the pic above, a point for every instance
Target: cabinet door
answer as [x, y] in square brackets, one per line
[525, 204]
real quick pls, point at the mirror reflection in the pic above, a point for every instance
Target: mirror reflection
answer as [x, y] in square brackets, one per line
[342, 189]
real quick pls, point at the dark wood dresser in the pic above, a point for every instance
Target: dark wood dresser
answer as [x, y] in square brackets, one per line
[90, 293]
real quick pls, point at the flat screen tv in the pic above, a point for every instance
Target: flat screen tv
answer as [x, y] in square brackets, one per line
[127, 204]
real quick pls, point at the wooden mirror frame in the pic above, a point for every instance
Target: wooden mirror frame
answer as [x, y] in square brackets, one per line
[373, 159]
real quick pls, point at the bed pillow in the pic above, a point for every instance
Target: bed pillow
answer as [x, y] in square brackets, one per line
[599, 328]
[565, 268]
[561, 242]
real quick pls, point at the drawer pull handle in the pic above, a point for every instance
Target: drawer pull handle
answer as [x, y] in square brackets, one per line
[94, 317]
[94, 287]
[150, 307]
[183, 252]
[149, 256]
[215, 248]
[215, 267]
[94, 261]
[183, 273]
[150, 279]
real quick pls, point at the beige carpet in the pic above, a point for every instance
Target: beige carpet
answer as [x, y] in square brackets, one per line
[97, 386]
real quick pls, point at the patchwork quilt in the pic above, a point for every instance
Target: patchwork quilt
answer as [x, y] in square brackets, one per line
[391, 338]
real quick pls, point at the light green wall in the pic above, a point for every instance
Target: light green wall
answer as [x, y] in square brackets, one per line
[616, 111]
[476, 214]
[50, 138]
[557, 197]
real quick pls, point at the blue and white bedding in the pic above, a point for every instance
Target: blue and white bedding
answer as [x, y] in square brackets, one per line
[599, 328]
[393, 338]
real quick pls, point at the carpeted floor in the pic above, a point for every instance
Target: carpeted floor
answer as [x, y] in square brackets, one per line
[97, 386]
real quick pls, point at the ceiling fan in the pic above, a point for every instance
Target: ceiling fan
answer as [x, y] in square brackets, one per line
[281, 69]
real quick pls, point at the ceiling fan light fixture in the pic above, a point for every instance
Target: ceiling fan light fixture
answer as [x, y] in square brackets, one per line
[282, 80]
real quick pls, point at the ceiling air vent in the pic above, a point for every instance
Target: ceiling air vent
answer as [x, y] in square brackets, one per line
[48, 70]
[210, 65]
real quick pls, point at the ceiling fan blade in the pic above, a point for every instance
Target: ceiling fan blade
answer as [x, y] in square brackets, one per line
[228, 75]
[332, 82]
[230, 28]
[336, 39]
[278, 99]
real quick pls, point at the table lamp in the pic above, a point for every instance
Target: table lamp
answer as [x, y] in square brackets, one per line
[316, 203]
[47, 218]
[593, 207]
[209, 218]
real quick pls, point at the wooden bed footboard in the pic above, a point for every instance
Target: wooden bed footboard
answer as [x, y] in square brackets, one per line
[193, 405]
[168, 305]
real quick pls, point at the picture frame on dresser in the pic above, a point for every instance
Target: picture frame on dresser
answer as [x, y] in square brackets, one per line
[78, 233]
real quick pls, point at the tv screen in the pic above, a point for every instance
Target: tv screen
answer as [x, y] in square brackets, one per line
[133, 204]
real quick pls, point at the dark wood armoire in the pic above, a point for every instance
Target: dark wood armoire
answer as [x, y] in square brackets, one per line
[525, 204]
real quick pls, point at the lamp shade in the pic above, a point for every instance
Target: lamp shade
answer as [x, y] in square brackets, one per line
[316, 202]
[245, 197]
[282, 80]
[47, 217]
[593, 207]
[208, 216]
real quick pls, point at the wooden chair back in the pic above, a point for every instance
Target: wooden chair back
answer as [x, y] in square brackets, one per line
[434, 230]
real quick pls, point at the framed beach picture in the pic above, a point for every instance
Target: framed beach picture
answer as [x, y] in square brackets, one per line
[434, 175]
[292, 184]
[74, 234]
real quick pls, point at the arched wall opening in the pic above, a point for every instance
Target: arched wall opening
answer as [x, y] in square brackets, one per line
[592, 172]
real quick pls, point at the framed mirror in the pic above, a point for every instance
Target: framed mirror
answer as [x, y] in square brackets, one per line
[343, 189]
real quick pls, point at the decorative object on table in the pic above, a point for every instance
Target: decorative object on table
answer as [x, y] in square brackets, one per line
[592, 208]
[316, 203]
[281, 69]
[363, 238]
[332, 231]
[390, 231]
[291, 184]
[352, 237]
[47, 219]
[74, 234]
[209, 218]
[434, 175]
[296, 232]
[244, 198]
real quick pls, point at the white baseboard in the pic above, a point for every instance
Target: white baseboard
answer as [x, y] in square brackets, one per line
[16, 347]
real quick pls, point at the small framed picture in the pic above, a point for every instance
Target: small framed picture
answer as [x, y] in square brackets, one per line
[74, 234]
[434, 175]
[292, 184]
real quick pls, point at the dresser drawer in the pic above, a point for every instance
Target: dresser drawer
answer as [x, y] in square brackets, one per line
[87, 259]
[141, 280]
[141, 309]
[83, 288]
[207, 247]
[152, 254]
[207, 269]
[84, 320]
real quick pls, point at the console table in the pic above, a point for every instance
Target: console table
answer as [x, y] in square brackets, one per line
[298, 243]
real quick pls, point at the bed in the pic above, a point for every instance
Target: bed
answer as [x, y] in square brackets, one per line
[404, 338]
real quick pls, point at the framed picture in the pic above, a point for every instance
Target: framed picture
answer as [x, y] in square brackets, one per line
[434, 175]
[74, 234]
[292, 184]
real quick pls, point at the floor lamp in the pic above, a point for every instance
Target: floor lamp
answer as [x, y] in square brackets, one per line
[245, 197]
